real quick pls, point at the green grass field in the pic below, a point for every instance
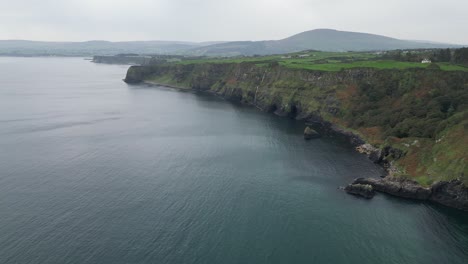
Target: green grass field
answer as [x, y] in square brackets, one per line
[327, 61]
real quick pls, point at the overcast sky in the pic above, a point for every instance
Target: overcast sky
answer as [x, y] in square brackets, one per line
[203, 20]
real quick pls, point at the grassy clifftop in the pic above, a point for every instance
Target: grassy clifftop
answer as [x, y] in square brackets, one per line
[336, 61]
[422, 112]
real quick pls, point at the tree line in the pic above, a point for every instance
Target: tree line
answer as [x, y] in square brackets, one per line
[456, 56]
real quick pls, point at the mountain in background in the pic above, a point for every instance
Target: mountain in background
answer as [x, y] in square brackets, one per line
[319, 39]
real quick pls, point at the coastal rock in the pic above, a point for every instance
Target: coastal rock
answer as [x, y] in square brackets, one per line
[281, 112]
[310, 133]
[453, 193]
[364, 190]
[374, 154]
[384, 157]
[398, 187]
[394, 153]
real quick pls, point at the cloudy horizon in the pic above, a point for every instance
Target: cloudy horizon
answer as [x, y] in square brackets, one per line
[211, 20]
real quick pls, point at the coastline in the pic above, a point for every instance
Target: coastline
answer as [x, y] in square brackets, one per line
[448, 193]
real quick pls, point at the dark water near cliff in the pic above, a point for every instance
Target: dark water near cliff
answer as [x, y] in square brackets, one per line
[95, 171]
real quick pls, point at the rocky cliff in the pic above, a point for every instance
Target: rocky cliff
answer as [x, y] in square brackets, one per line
[413, 122]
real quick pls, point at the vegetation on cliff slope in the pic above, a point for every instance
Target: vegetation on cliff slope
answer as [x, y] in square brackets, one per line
[421, 111]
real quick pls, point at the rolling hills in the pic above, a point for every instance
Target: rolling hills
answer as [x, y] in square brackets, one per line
[95, 47]
[318, 39]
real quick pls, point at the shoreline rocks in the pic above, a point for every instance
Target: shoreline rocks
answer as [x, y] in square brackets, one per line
[453, 193]
[364, 190]
[310, 133]
[373, 153]
[397, 186]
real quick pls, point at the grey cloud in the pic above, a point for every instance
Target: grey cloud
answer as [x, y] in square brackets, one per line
[193, 20]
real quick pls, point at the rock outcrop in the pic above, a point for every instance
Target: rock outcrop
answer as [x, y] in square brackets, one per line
[453, 193]
[372, 152]
[310, 133]
[364, 190]
[397, 186]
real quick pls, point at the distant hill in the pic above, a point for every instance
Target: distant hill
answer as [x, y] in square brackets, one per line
[319, 39]
[96, 47]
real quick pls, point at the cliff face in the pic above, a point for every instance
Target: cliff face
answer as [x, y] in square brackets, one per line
[415, 120]
[298, 94]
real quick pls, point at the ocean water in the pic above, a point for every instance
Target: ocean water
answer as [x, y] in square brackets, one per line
[93, 170]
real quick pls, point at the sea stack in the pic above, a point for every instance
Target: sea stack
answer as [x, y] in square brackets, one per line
[310, 133]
